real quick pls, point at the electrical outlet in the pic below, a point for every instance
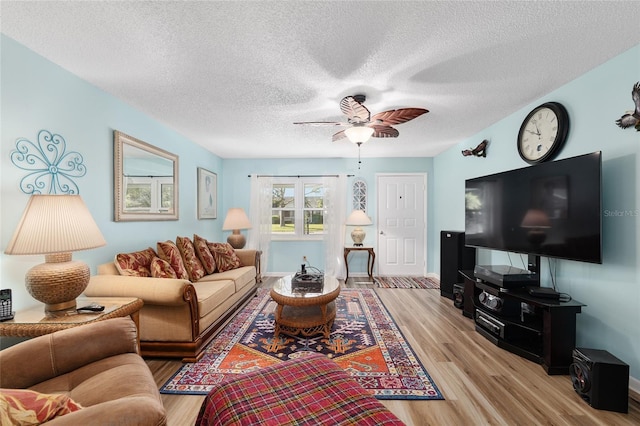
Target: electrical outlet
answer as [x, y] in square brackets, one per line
[304, 259]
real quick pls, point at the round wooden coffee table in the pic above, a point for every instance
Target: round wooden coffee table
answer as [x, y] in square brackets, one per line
[305, 313]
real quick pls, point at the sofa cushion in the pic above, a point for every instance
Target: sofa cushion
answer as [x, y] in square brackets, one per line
[137, 264]
[204, 254]
[27, 407]
[169, 251]
[225, 256]
[241, 276]
[190, 259]
[212, 294]
[160, 268]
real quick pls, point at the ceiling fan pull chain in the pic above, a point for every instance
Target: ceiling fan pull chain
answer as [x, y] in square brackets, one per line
[359, 162]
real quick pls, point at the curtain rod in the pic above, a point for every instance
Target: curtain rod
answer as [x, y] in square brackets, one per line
[149, 176]
[299, 176]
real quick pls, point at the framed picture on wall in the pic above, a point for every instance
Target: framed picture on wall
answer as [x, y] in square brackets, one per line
[207, 194]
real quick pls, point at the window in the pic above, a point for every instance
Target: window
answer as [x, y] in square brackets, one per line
[360, 195]
[297, 209]
[148, 194]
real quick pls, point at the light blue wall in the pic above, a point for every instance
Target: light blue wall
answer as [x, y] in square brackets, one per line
[36, 95]
[287, 256]
[611, 291]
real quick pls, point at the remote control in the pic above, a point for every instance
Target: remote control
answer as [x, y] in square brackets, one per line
[94, 307]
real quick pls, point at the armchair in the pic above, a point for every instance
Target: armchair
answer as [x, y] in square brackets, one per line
[96, 365]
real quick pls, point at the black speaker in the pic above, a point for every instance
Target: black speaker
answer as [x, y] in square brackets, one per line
[601, 379]
[454, 256]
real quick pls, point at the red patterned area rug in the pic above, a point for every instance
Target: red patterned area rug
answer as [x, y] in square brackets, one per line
[365, 342]
[407, 282]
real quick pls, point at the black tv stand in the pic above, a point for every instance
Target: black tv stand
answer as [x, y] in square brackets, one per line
[538, 329]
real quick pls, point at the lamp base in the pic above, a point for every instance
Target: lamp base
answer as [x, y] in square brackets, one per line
[236, 239]
[357, 235]
[58, 281]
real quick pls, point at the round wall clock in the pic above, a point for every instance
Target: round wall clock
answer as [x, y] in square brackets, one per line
[543, 132]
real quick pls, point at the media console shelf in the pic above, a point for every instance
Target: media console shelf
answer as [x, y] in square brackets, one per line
[538, 329]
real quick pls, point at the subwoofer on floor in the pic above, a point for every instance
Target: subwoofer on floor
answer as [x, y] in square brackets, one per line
[601, 379]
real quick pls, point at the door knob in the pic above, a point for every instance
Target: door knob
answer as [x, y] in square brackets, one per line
[381, 232]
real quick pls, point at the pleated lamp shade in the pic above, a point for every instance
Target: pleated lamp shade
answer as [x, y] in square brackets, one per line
[56, 225]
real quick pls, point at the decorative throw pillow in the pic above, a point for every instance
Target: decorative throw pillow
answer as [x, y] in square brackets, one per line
[27, 407]
[160, 268]
[136, 264]
[204, 254]
[191, 261]
[226, 257]
[169, 252]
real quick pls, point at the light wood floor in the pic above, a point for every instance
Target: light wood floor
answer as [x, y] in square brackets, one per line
[482, 384]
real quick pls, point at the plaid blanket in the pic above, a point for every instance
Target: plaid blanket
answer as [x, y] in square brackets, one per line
[308, 391]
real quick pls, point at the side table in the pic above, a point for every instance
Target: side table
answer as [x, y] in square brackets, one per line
[370, 259]
[33, 322]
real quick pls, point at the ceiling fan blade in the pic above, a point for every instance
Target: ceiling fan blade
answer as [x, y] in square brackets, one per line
[338, 136]
[322, 123]
[354, 110]
[397, 116]
[384, 132]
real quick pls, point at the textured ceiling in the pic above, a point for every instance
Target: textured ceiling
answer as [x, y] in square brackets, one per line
[234, 76]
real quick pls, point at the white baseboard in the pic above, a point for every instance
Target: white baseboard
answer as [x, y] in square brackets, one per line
[282, 274]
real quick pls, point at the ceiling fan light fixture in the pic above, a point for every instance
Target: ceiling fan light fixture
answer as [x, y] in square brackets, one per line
[359, 133]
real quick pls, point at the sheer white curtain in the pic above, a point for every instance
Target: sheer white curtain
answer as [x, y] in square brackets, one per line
[260, 217]
[335, 206]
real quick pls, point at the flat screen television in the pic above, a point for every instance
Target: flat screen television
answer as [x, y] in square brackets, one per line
[550, 209]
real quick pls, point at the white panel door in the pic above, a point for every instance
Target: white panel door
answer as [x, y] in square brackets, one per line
[402, 224]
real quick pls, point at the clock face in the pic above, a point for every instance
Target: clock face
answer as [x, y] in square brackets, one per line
[543, 132]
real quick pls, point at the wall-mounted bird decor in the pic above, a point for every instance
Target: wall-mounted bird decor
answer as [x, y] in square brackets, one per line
[632, 118]
[478, 151]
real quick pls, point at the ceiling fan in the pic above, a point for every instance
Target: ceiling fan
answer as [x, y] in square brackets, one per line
[361, 125]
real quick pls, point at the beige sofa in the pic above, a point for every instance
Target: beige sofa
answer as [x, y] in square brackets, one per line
[179, 318]
[96, 365]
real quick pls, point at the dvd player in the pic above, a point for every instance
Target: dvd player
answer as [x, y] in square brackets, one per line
[506, 276]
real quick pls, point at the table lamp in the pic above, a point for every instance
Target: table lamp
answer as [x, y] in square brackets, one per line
[235, 221]
[358, 218]
[56, 225]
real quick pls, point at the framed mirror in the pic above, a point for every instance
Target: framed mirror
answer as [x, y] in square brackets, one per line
[145, 181]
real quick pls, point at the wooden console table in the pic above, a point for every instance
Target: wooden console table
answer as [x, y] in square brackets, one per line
[370, 260]
[33, 322]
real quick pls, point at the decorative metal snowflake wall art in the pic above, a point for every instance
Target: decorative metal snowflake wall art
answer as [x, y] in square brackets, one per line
[51, 168]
